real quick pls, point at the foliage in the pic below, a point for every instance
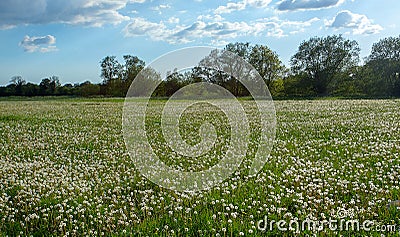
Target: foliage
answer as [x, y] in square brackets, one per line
[322, 66]
[321, 59]
[383, 67]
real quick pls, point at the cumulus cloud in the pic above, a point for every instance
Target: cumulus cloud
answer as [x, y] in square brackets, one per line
[160, 8]
[215, 31]
[277, 27]
[43, 44]
[208, 17]
[187, 33]
[293, 5]
[238, 6]
[85, 12]
[173, 20]
[230, 7]
[360, 24]
[140, 26]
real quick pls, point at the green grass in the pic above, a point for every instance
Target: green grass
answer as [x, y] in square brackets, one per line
[65, 169]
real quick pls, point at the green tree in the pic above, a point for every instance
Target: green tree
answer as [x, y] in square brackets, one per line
[211, 69]
[298, 85]
[112, 74]
[174, 81]
[133, 65]
[44, 87]
[110, 69]
[348, 83]
[87, 89]
[67, 89]
[30, 89]
[241, 49]
[269, 66]
[19, 82]
[49, 86]
[263, 59]
[118, 77]
[221, 69]
[383, 67]
[321, 59]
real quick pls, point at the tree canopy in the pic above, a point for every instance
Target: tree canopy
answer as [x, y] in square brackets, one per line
[382, 68]
[321, 66]
[320, 59]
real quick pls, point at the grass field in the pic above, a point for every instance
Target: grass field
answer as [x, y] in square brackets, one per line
[65, 171]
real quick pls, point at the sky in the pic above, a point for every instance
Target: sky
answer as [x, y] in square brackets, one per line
[42, 38]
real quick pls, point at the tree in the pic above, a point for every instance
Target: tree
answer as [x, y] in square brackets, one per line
[267, 63]
[211, 69]
[88, 89]
[383, 65]
[386, 49]
[241, 49]
[264, 60]
[348, 83]
[117, 77]
[67, 89]
[219, 67]
[30, 89]
[298, 85]
[18, 82]
[133, 65]
[112, 74]
[45, 87]
[322, 58]
[54, 85]
[110, 69]
[49, 86]
[146, 81]
[173, 82]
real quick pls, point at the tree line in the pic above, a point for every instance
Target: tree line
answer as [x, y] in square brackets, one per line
[322, 66]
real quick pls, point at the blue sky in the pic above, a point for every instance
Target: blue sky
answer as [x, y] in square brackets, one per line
[41, 38]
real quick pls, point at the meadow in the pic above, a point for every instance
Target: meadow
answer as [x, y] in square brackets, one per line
[65, 171]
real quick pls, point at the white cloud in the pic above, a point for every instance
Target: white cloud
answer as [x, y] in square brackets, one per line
[212, 18]
[293, 5]
[219, 42]
[140, 26]
[230, 7]
[164, 6]
[41, 44]
[184, 34]
[238, 6]
[258, 3]
[85, 12]
[213, 31]
[216, 31]
[173, 20]
[161, 7]
[360, 24]
[277, 27]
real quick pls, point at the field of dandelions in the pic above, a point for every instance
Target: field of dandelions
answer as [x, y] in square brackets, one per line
[65, 171]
